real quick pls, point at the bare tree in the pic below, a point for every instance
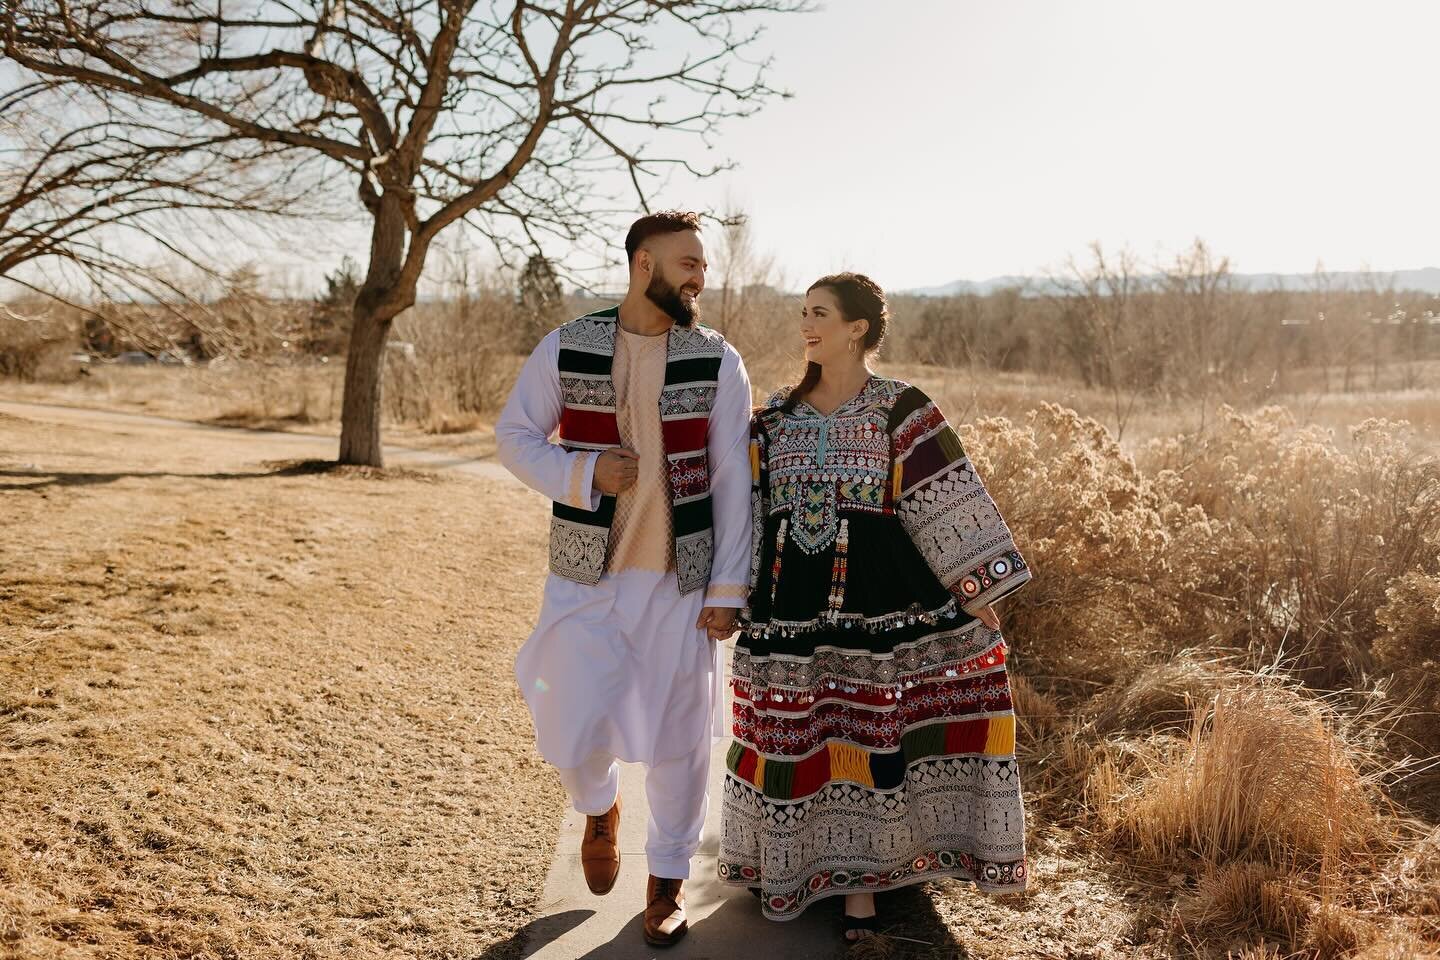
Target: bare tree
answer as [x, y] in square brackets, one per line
[747, 276]
[1102, 329]
[91, 195]
[437, 111]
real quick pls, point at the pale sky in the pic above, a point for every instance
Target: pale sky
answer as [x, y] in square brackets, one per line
[935, 140]
[932, 140]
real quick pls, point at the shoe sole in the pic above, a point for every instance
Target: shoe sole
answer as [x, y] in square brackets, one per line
[601, 893]
[674, 938]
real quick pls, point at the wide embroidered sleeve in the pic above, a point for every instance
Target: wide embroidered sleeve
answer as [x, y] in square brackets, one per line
[726, 447]
[522, 434]
[759, 493]
[945, 508]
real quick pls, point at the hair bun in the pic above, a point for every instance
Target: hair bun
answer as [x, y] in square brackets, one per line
[860, 299]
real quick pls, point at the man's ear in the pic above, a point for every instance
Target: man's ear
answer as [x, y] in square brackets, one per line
[644, 262]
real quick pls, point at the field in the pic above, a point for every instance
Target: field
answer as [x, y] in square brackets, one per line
[248, 709]
[256, 708]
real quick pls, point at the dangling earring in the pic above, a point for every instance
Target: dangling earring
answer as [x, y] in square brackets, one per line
[853, 346]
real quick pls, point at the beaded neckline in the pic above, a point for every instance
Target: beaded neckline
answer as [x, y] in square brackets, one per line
[861, 394]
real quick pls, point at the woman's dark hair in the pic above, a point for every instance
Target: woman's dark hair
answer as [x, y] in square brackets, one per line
[860, 299]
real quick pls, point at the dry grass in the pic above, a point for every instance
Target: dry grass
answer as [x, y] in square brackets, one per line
[260, 712]
[1261, 775]
[1163, 695]
[1192, 789]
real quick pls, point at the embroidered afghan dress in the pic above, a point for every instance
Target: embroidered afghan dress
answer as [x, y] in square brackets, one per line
[874, 740]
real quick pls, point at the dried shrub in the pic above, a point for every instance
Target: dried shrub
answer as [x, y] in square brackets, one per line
[1410, 649]
[36, 342]
[449, 363]
[1162, 695]
[1256, 542]
[1265, 775]
[1112, 552]
[1333, 931]
[1037, 712]
[1399, 947]
[1308, 536]
[1243, 897]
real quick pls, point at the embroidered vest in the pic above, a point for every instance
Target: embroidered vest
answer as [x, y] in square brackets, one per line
[579, 539]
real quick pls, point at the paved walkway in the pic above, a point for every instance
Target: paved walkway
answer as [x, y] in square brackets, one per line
[572, 923]
[725, 922]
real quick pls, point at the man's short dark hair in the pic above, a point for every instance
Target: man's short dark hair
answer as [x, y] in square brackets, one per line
[666, 221]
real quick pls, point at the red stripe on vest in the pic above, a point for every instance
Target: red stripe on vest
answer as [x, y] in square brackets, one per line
[684, 436]
[589, 426]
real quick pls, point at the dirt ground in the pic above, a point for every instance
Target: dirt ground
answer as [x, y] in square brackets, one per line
[249, 709]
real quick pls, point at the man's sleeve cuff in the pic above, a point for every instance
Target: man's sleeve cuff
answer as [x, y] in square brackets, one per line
[581, 493]
[727, 595]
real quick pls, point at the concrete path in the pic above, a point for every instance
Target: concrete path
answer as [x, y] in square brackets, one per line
[572, 923]
[725, 922]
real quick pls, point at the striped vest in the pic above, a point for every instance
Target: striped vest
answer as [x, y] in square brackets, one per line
[579, 539]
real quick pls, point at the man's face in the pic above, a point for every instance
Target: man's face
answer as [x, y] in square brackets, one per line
[677, 273]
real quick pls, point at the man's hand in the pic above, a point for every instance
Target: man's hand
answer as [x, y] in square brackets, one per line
[989, 617]
[719, 622]
[616, 470]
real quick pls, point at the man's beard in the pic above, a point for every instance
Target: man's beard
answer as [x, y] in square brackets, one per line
[664, 295]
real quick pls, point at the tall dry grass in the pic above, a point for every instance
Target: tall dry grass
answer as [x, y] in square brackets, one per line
[1256, 537]
[1226, 665]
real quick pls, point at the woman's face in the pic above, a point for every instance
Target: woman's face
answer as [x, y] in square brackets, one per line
[827, 333]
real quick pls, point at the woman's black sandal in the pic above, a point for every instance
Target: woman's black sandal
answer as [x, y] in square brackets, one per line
[858, 924]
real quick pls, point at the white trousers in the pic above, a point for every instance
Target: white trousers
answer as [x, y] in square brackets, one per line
[675, 791]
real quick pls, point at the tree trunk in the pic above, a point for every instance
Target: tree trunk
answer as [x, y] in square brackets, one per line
[376, 306]
[364, 371]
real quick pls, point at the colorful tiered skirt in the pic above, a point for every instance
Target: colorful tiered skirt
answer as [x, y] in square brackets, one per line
[864, 761]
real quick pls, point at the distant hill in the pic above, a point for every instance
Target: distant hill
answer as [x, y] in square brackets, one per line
[1425, 280]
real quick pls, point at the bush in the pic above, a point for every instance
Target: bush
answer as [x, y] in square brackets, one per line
[36, 342]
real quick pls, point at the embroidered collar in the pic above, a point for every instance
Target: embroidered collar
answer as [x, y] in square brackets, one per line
[862, 396]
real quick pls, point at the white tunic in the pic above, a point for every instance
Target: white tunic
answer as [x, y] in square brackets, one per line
[619, 668]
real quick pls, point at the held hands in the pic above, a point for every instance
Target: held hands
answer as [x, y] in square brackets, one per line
[615, 470]
[718, 622]
[989, 617]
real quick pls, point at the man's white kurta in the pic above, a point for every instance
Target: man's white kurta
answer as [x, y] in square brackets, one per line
[619, 668]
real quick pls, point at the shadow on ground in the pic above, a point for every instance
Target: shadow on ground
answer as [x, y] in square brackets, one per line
[46, 479]
[908, 918]
[535, 935]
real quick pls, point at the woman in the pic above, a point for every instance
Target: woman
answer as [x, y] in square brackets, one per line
[874, 738]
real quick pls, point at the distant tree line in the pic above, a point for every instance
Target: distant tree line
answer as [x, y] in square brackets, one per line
[1187, 328]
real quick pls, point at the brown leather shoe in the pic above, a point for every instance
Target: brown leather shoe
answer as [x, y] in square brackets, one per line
[600, 850]
[665, 923]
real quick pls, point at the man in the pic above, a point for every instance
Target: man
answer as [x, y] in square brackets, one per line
[649, 552]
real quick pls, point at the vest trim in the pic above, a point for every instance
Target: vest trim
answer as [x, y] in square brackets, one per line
[579, 539]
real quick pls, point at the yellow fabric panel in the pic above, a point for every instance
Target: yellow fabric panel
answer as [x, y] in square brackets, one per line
[849, 762]
[1000, 741]
[755, 461]
[759, 778]
[897, 478]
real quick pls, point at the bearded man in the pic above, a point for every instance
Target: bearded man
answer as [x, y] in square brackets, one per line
[649, 552]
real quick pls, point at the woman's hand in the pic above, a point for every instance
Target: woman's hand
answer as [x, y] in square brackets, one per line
[989, 617]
